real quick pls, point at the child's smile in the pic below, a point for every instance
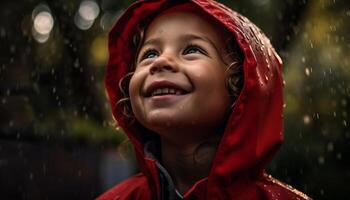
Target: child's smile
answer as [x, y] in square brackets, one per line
[179, 81]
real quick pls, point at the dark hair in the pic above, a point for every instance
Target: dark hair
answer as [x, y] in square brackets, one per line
[234, 72]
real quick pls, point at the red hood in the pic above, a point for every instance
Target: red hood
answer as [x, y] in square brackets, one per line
[254, 130]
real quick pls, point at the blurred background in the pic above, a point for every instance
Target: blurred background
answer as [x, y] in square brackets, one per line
[59, 141]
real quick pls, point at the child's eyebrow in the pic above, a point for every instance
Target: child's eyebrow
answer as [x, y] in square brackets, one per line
[184, 37]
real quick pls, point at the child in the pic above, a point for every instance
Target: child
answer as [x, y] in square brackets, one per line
[198, 90]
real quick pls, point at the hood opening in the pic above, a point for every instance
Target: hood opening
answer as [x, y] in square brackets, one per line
[254, 128]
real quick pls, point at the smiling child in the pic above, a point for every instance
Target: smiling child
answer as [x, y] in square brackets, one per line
[198, 90]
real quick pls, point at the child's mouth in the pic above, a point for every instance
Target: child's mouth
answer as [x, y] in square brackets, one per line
[162, 88]
[167, 91]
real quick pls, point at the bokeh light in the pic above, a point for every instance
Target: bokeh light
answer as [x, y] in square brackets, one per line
[86, 15]
[89, 10]
[43, 23]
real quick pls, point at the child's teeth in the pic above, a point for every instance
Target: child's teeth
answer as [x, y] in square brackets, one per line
[158, 91]
[165, 91]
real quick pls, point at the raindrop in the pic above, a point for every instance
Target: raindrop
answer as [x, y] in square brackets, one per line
[311, 44]
[2, 32]
[307, 71]
[322, 192]
[260, 2]
[76, 63]
[330, 147]
[303, 59]
[44, 169]
[321, 160]
[62, 132]
[343, 102]
[306, 119]
[344, 123]
[317, 116]
[31, 176]
[12, 48]
[339, 156]
[344, 114]
[348, 13]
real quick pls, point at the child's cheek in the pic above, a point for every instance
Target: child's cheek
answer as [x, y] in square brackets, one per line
[135, 92]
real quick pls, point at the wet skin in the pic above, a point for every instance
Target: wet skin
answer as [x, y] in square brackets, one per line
[181, 53]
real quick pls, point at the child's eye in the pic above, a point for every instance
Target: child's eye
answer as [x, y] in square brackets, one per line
[149, 54]
[193, 49]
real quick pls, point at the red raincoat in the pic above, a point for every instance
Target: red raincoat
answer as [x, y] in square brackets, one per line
[252, 135]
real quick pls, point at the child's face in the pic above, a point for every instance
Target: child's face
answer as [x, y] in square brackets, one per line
[179, 81]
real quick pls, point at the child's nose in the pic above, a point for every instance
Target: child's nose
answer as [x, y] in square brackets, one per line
[163, 63]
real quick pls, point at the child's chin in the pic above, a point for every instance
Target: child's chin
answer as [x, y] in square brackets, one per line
[164, 122]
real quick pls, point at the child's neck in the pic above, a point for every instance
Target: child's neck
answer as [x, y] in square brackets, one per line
[188, 162]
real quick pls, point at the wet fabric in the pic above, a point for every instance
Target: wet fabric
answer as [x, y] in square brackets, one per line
[252, 136]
